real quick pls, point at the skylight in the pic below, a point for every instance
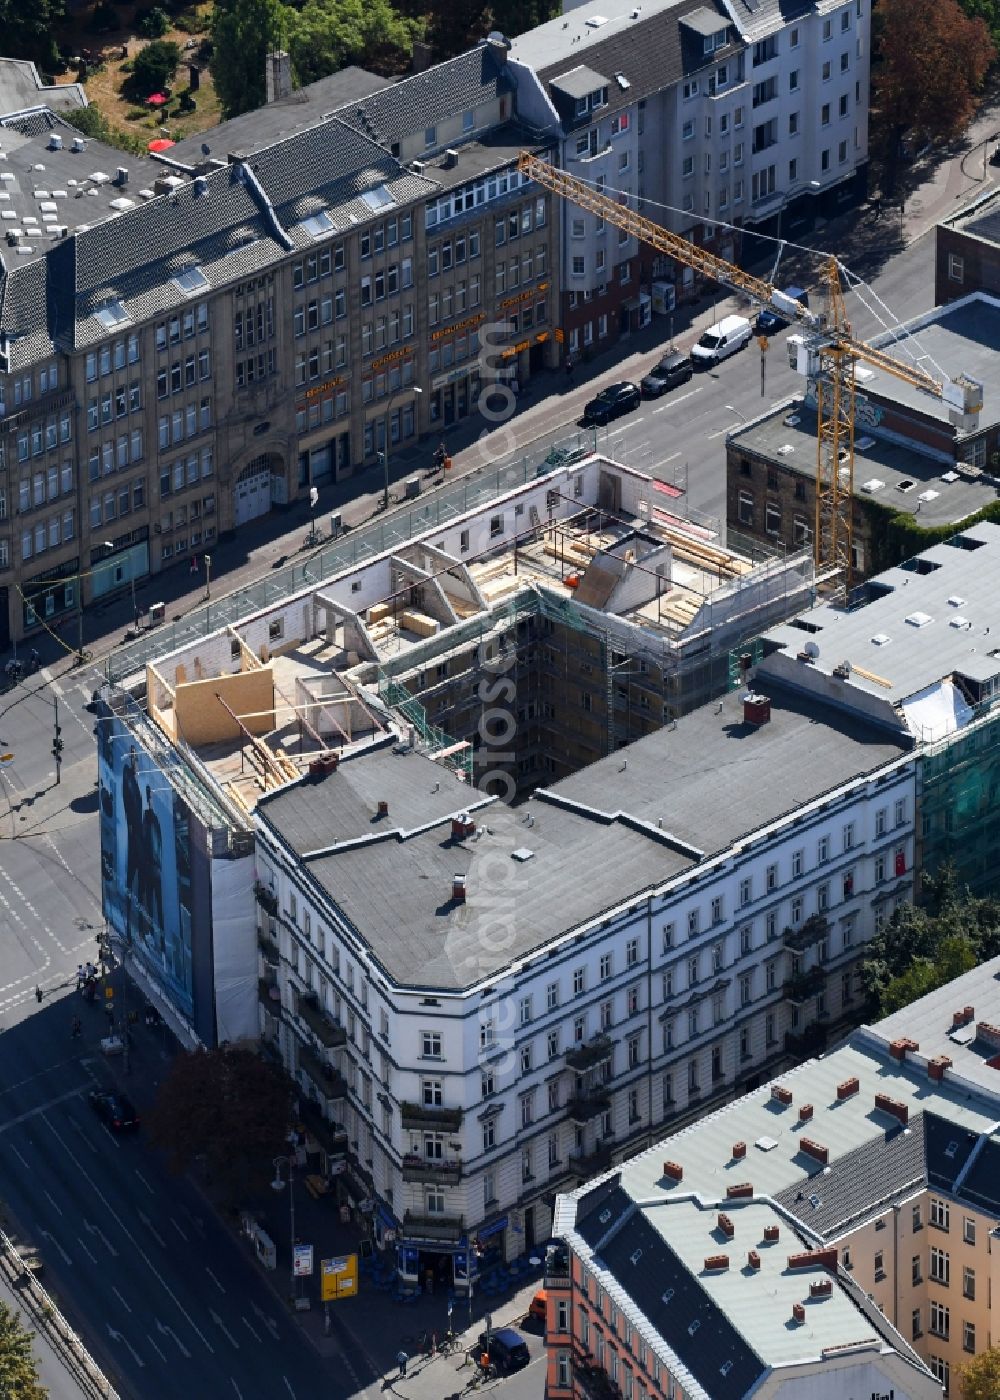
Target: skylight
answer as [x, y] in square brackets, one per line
[111, 314]
[378, 198]
[191, 281]
[318, 224]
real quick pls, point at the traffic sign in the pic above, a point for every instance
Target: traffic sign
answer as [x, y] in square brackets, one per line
[338, 1278]
[303, 1265]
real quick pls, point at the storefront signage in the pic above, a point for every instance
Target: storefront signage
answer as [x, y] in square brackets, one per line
[526, 295]
[493, 1229]
[323, 388]
[389, 359]
[465, 325]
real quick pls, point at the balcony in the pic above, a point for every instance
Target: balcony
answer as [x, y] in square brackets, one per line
[596, 1052]
[434, 1118]
[269, 995]
[585, 1106]
[331, 1137]
[329, 1084]
[588, 1164]
[593, 1383]
[815, 928]
[557, 1271]
[434, 1227]
[447, 1170]
[268, 949]
[804, 985]
[266, 898]
[811, 1041]
[330, 1034]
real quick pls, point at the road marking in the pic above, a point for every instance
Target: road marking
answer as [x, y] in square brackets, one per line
[89, 1253]
[111, 1135]
[156, 1348]
[248, 1324]
[42, 1109]
[222, 1327]
[144, 1182]
[178, 1229]
[120, 1337]
[113, 1214]
[78, 1128]
[152, 1230]
[723, 431]
[672, 458]
[166, 1331]
[55, 1243]
[121, 1300]
[214, 1279]
[52, 1201]
[289, 1385]
[95, 1230]
[268, 1322]
[237, 1389]
[24, 1163]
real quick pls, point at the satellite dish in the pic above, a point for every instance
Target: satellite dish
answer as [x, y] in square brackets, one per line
[811, 649]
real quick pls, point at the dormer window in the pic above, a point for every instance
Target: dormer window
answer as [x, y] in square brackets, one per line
[581, 106]
[718, 40]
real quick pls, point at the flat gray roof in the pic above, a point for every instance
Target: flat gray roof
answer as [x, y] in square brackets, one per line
[925, 621]
[21, 87]
[710, 779]
[792, 446]
[962, 337]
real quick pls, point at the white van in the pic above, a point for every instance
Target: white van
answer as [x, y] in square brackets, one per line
[721, 340]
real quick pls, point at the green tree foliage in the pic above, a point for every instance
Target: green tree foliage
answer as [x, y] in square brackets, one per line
[153, 68]
[513, 17]
[153, 23]
[920, 949]
[981, 1377]
[27, 30]
[228, 1106]
[327, 35]
[18, 1367]
[989, 12]
[104, 19]
[931, 59]
[244, 32]
[456, 25]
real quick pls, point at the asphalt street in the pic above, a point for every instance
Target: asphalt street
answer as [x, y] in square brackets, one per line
[163, 1294]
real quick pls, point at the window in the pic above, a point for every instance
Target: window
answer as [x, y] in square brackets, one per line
[431, 1093]
[916, 1270]
[552, 996]
[879, 1265]
[579, 981]
[632, 952]
[917, 1222]
[940, 1265]
[969, 1229]
[969, 1337]
[940, 1213]
[968, 1283]
[941, 1371]
[605, 971]
[956, 268]
[915, 1329]
[430, 1045]
[940, 1320]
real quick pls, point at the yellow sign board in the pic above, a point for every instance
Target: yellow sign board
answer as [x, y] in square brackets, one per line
[338, 1278]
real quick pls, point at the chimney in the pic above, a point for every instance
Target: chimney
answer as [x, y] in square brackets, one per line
[814, 1258]
[771, 1233]
[937, 1066]
[823, 1288]
[756, 709]
[716, 1263]
[816, 1150]
[899, 1047]
[462, 825]
[848, 1088]
[726, 1226]
[781, 1094]
[497, 45]
[963, 1017]
[383, 807]
[989, 1035]
[805, 1112]
[885, 1104]
[753, 1260]
[121, 177]
[200, 186]
[743, 1190]
[421, 57]
[450, 158]
[278, 71]
[458, 889]
[798, 1312]
[673, 1171]
[739, 1150]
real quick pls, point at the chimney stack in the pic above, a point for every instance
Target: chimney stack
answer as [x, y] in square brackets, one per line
[458, 889]
[383, 807]
[798, 1312]
[753, 1260]
[739, 1150]
[756, 709]
[771, 1233]
[673, 1171]
[937, 1066]
[278, 75]
[963, 1017]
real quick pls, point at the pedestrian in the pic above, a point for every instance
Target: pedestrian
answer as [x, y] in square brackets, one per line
[401, 1360]
[81, 977]
[569, 368]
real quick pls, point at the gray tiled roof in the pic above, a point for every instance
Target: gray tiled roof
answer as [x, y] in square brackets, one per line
[23, 314]
[755, 18]
[423, 100]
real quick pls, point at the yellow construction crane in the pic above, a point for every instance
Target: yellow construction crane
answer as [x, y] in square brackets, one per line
[826, 352]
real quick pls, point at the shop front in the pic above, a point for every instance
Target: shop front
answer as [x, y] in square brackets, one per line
[433, 1264]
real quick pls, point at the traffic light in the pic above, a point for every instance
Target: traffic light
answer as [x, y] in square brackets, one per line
[57, 743]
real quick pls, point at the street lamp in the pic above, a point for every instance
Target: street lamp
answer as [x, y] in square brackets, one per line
[278, 1184]
[385, 442]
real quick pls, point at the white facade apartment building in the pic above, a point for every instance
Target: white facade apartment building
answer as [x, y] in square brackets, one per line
[593, 976]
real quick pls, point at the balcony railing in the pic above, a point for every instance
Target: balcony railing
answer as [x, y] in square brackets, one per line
[815, 928]
[330, 1136]
[434, 1227]
[265, 988]
[269, 949]
[328, 1081]
[583, 1107]
[447, 1170]
[330, 1033]
[594, 1052]
[593, 1382]
[266, 898]
[434, 1118]
[805, 985]
[588, 1164]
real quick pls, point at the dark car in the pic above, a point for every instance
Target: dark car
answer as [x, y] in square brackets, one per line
[672, 370]
[769, 322]
[508, 1350]
[613, 401]
[114, 1110]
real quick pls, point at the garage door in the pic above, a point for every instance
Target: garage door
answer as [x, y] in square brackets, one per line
[253, 495]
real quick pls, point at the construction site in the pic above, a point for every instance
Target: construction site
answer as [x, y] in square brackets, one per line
[516, 645]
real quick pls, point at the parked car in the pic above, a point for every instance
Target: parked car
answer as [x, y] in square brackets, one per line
[769, 322]
[114, 1110]
[612, 402]
[721, 340]
[672, 370]
[537, 1307]
[507, 1350]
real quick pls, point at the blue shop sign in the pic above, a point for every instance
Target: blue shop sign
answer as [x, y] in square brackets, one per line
[494, 1229]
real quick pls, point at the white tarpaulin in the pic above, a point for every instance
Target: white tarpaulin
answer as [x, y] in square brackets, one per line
[937, 711]
[234, 944]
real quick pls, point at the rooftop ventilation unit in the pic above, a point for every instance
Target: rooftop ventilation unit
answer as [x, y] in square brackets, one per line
[919, 619]
[79, 144]
[55, 141]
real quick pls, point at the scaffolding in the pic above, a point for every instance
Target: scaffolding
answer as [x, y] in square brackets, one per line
[434, 741]
[958, 782]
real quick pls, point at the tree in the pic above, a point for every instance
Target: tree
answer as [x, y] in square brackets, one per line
[514, 17]
[457, 25]
[326, 35]
[931, 61]
[27, 31]
[154, 67]
[18, 1367]
[229, 1106]
[981, 1377]
[153, 23]
[244, 32]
